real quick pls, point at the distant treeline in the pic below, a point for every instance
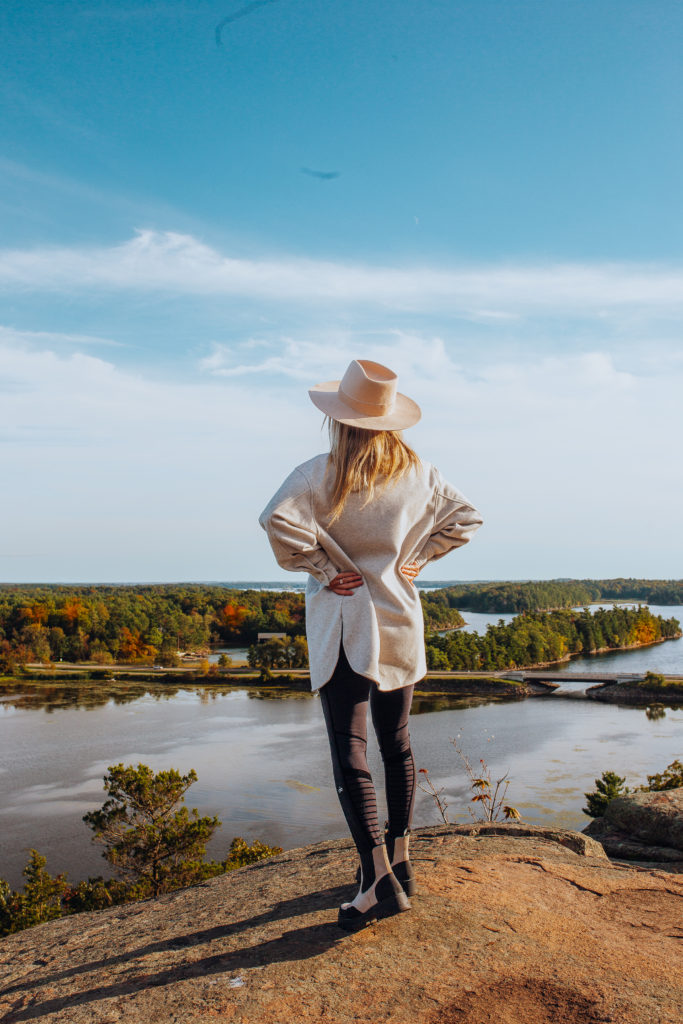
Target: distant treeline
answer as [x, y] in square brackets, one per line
[536, 637]
[151, 624]
[547, 594]
[148, 624]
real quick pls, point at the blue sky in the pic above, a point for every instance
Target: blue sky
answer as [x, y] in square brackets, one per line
[484, 195]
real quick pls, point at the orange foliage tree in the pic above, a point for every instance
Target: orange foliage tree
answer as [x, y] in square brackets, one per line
[132, 647]
[233, 617]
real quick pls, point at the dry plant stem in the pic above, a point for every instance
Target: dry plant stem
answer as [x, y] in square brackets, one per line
[489, 801]
[492, 802]
[427, 786]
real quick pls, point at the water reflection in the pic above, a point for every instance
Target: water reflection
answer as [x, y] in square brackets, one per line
[277, 694]
[425, 704]
[263, 760]
[55, 696]
[76, 696]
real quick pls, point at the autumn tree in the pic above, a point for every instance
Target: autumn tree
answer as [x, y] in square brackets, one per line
[133, 648]
[232, 617]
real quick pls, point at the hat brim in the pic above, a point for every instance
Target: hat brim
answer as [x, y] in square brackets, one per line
[326, 397]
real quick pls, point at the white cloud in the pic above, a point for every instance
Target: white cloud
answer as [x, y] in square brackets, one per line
[12, 335]
[117, 475]
[415, 358]
[168, 261]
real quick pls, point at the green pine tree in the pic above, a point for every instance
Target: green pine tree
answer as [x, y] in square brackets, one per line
[148, 833]
[608, 785]
[41, 899]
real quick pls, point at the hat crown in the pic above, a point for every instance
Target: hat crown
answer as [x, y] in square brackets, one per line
[369, 387]
[366, 397]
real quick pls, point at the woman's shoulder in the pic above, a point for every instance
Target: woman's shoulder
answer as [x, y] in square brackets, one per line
[313, 469]
[305, 477]
[435, 482]
[419, 482]
[442, 487]
[427, 473]
[302, 480]
[432, 473]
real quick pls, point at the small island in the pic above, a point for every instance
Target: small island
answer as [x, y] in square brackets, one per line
[652, 689]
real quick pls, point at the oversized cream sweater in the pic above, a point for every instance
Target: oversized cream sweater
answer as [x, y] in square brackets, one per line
[418, 518]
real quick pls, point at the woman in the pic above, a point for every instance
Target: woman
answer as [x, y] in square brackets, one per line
[363, 521]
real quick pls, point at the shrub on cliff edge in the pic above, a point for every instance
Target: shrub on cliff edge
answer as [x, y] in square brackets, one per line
[149, 837]
[41, 899]
[611, 785]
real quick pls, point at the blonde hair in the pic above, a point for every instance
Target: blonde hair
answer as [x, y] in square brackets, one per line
[359, 457]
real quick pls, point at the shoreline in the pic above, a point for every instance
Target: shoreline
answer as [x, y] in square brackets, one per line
[435, 685]
[635, 693]
[589, 654]
[131, 671]
[96, 671]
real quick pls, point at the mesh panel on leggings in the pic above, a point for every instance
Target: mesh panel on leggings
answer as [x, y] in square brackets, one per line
[352, 778]
[399, 777]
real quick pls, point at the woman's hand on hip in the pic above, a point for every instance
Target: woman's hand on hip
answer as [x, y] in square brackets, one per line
[410, 571]
[345, 583]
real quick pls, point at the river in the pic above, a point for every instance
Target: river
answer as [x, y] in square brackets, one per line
[263, 762]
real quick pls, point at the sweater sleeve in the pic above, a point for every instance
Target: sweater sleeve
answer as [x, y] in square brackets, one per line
[288, 520]
[455, 522]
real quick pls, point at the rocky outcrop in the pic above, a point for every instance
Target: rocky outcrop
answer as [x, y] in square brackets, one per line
[473, 686]
[512, 925]
[642, 826]
[576, 841]
[670, 695]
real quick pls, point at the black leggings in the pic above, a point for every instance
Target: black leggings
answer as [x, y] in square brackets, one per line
[345, 706]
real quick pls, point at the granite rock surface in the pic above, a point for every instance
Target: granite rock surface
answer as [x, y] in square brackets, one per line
[512, 925]
[642, 826]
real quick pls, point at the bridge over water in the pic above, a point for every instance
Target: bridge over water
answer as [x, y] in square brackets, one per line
[551, 682]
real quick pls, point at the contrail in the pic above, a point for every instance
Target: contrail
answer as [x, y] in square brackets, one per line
[241, 13]
[325, 175]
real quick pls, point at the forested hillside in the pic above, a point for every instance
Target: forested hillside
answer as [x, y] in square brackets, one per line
[146, 624]
[547, 594]
[151, 624]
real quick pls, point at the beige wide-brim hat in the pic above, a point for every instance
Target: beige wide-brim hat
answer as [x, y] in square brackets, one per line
[366, 397]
